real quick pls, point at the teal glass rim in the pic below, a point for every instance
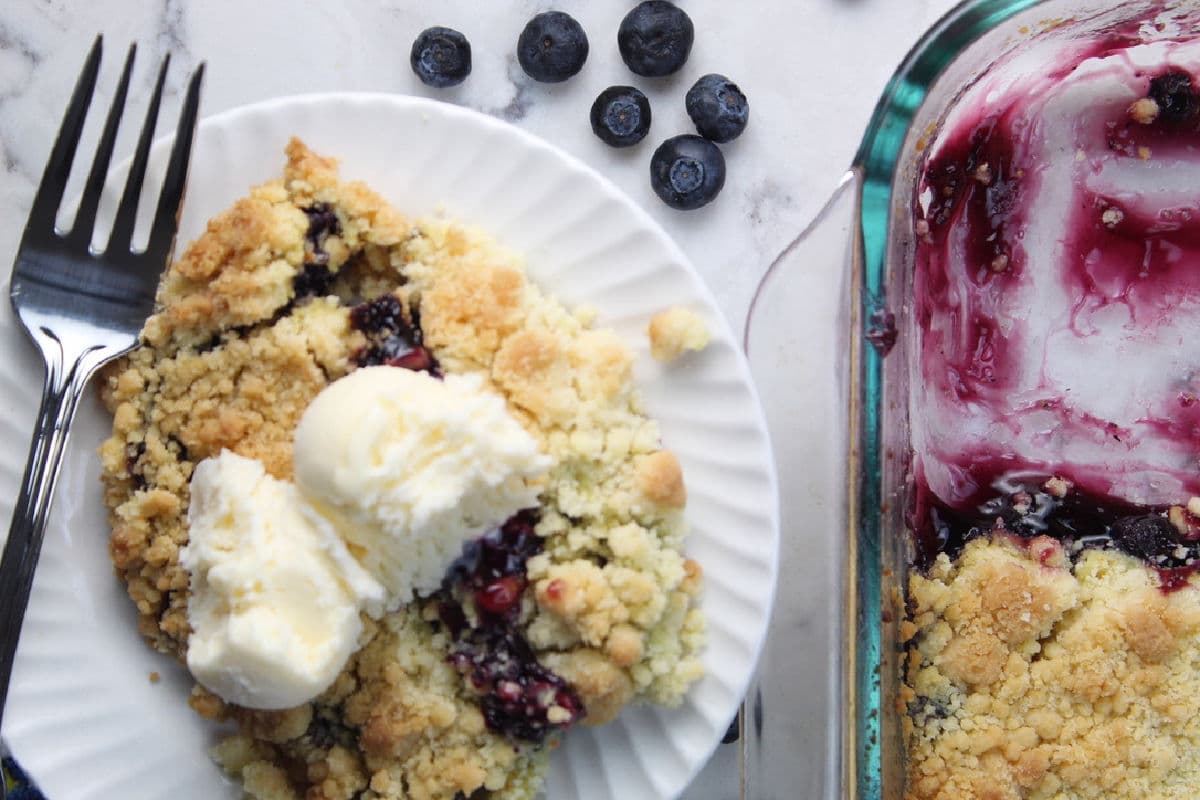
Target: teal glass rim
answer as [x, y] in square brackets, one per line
[876, 165]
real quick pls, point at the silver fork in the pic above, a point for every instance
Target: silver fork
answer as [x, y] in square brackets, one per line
[82, 308]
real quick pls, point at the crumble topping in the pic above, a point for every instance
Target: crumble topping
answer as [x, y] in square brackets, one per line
[1029, 676]
[256, 317]
[676, 331]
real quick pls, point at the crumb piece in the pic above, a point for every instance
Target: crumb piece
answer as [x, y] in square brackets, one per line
[1112, 217]
[1000, 263]
[1193, 506]
[605, 689]
[660, 478]
[675, 331]
[1143, 111]
[983, 173]
[1144, 152]
[155, 677]
[1057, 487]
[1177, 516]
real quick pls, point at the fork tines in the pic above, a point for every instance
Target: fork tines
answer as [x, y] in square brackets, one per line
[40, 228]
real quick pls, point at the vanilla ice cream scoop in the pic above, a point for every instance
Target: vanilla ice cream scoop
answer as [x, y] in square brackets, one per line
[275, 594]
[411, 467]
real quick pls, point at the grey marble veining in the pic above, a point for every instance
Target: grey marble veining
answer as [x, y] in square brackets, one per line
[812, 70]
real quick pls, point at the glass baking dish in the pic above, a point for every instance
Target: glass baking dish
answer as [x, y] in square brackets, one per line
[828, 342]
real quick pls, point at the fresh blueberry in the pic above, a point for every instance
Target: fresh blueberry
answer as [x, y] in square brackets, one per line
[655, 38]
[718, 108]
[1175, 96]
[621, 116]
[552, 47]
[687, 171]
[441, 57]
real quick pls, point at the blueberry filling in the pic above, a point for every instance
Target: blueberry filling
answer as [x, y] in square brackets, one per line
[324, 733]
[322, 222]
[382, 315]
[1079, 520]
[315, 279]
[392, 339]
[1176, 98]
[517, 693]
[133, 454]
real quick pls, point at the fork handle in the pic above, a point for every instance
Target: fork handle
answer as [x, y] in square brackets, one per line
[61, 391]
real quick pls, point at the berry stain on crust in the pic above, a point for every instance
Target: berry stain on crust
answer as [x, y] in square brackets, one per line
[521, 699]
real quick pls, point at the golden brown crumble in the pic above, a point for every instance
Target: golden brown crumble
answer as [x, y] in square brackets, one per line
[1029, 677]
[1144, 111]
[232, 359]
[676, 331]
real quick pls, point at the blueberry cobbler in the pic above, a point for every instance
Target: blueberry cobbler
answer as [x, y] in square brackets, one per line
[1052, 625]
[310, 335]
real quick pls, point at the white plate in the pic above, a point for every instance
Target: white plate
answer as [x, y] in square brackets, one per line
[83, 717]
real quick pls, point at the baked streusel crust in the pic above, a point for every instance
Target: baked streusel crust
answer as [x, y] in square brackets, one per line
[255, 319]
[1032, 676]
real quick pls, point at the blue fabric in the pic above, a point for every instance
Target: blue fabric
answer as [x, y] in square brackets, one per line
[17, 784]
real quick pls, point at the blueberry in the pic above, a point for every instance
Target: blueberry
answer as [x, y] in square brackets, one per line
[381, 315]
[1175, 96]
[718, 108]
[314, 280]
[441, 57]
[621, 116]
[1146, 536]
[655, 38]
[552, 47]
[322, 221]
[687, 171]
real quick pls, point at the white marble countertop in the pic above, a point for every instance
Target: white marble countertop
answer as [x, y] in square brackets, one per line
[812, 70]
